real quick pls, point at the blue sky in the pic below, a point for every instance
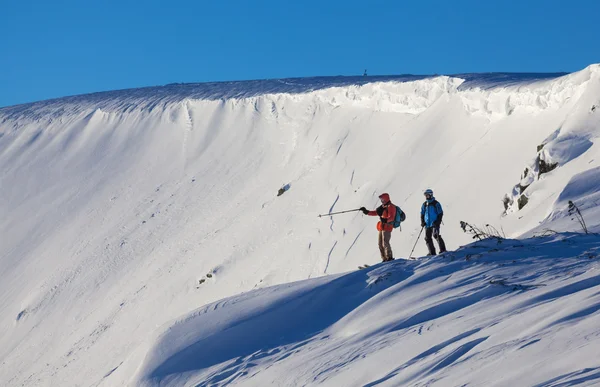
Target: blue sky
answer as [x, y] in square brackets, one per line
[56, 48]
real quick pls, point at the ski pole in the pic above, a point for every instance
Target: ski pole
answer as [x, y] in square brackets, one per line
[341, 212]
[413, 249]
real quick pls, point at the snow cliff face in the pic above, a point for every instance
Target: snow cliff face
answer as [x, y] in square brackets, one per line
[116, 205]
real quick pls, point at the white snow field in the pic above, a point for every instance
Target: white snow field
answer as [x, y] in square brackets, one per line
[141, 234]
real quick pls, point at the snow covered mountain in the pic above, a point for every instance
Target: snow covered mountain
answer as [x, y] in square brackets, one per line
[508, 312]
[115, 206]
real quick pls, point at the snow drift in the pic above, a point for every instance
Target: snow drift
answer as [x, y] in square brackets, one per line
[475, 316]
[115, 206]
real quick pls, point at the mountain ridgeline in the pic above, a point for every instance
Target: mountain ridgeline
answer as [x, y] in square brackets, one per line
[124, 210]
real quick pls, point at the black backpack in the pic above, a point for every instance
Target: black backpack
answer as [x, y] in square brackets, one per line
[432, 204]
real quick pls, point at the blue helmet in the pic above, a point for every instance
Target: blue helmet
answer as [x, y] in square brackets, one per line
[428, 192]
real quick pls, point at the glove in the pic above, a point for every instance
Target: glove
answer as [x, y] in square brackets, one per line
[364, 210]
[422, 224]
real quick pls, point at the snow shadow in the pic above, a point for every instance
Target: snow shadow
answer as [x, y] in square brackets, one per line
[291, 319]
[585, 375]
[423, 355]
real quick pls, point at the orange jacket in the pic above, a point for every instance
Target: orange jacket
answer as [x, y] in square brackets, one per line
[389, 213]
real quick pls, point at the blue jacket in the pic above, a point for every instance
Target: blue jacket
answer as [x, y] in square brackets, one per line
[431, 211]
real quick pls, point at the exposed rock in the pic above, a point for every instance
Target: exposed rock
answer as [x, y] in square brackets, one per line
[507, 202]
[522, 188]
[545, 167]
[522, 202]
[283, 189]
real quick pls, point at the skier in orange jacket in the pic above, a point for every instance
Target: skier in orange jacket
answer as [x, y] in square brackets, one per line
[386, 212]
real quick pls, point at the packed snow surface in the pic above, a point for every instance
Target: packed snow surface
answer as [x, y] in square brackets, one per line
[497, 312]
[144, 241]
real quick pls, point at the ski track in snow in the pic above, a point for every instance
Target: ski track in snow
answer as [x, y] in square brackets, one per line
[329, 257]
[353, 243]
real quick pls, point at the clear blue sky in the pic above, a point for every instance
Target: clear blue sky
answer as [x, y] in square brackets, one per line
[53, 48]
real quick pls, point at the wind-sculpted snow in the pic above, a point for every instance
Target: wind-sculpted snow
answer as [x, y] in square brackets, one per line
[570, 142]
[123, 211]
[496, 80]
[470, 317]
[533, 95]
[582, 189]
[150, 98]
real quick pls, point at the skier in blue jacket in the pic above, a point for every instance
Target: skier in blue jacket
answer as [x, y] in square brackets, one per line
[431, 219]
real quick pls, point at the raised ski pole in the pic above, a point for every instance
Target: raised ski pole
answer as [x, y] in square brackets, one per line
[413, 250]
[341, 212]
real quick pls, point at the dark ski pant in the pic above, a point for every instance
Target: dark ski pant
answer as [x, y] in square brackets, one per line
[435, 233]
[384, 245]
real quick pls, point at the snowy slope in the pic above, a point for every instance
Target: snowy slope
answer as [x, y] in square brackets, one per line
[509, 313]
[114, 205]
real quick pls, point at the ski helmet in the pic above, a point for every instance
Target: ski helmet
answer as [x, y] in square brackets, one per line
[428, 192]
[384, 197]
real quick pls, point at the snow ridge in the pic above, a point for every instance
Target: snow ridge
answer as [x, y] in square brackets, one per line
[468, 317]
[415, 87]
[123, 211]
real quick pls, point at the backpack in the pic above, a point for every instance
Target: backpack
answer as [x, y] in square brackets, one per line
[433, 204]
[399, 218]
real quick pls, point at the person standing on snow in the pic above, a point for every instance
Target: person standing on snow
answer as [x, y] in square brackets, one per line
[386, 212]
[431, 219]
